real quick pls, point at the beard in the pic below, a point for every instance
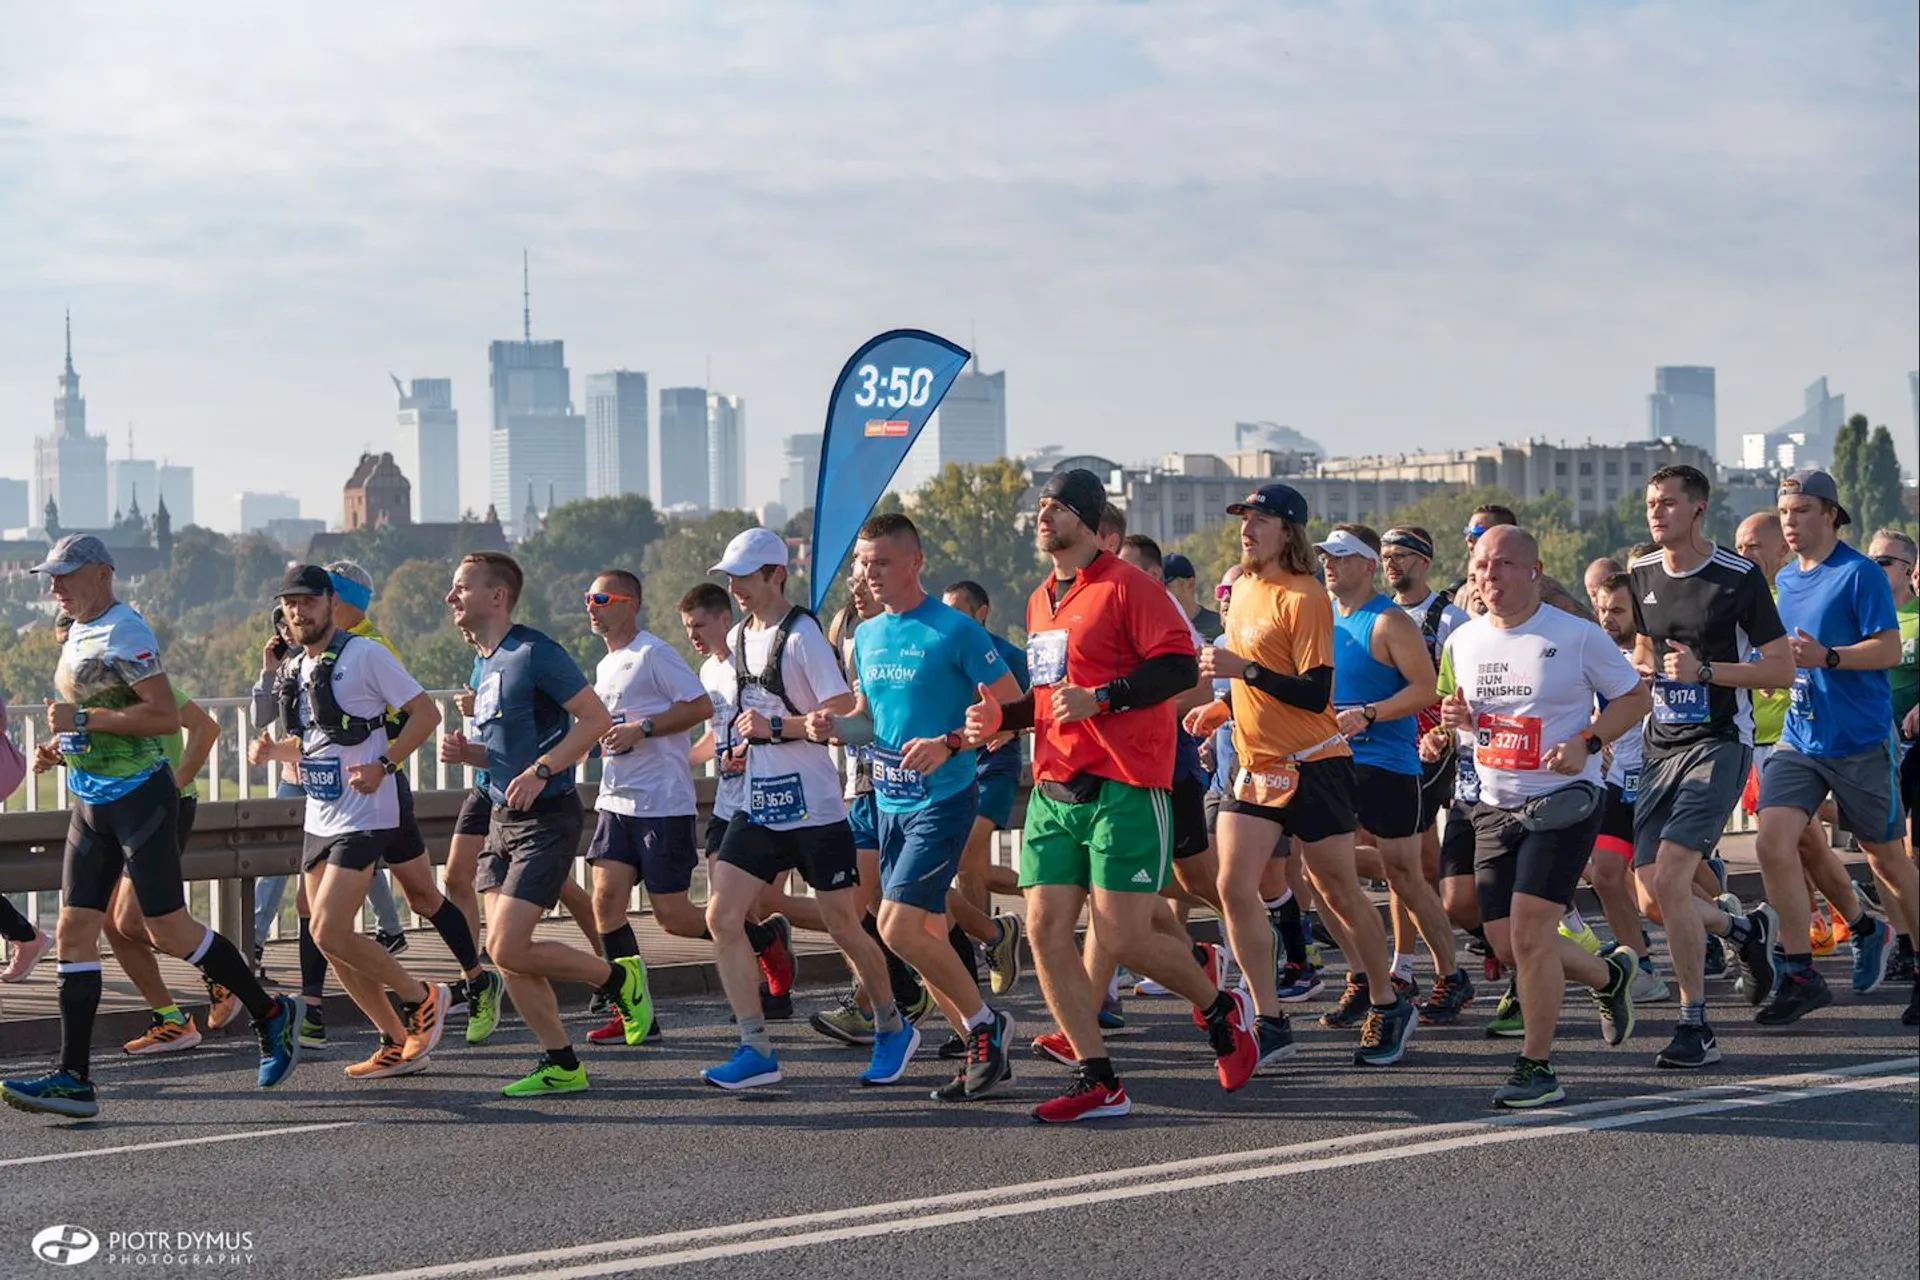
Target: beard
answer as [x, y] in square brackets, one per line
[312, 632]
[1054, 540]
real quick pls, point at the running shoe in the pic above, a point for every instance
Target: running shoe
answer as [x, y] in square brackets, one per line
[1820, 935]
[483, 1005]
[1531, 1084]
[426, 1022]
[775, 1008]
[1385, 1034]
[1491, 969]
[1872, 956]
[164, 1036]
[1003, 955]
[313, 1032]
[1756, 953]
[23, 956]
[614, 1028]
[1841, 931]
[1648, 986]
[279, 1041]
[633, 999]
[1900, 968]
[849, 1023]
[458, 1000]
[547, 1077]
[1317, 930]
[1236, 1050]
[58, 1093]
[1112, 1015]
[747, 1069]
[919, 1007]
[1589, 940]
[1055, 1046]
[1148, 987]
[1796, 995]
[776, 959]
[222, 1007]
[1085, 1100]
[1717, 967]
[1450, 994]
[598, 1006]
[389, 1059]
[1507, 1022]
[988, 1065]
[1692, 1046]
[953, 1049]
[1275, 1037]
[1352, 1007]
[1213, 963]
[395, 943]
[1298, 985]
[892, 1051]
[1406, 988]
[1615, 1001]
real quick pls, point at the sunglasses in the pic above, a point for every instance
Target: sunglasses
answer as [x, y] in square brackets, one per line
[1223, 592]
[1884, 561]
[1476, 530]
[607, 597]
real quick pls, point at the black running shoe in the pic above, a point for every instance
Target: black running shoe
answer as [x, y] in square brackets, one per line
[1615, 1000]
[1275, 1036]
[1756, 954]
[1900, 968]
[1354, 1002]
[1794, 997]
[955, 1049]
[775, 1008]
[987, 1063]
[1692, 1046]
[1716, 960]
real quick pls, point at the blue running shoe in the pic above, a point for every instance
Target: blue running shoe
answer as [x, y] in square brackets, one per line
[892, 1051]
[279, 1041]
[746, 1069]
[58, 1093]
[1872, 956]
[1112, 1015]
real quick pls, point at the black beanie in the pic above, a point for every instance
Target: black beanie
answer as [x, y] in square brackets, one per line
[1080, 492]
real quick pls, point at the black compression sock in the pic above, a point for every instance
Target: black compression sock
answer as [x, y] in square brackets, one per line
[14, 927]
[1293, 931]
[451, 924]
[620, 942]
[79, 1003]
[222, 962]
[313, 964]
[759, 935]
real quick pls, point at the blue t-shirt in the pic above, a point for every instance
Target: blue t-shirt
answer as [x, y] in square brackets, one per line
[518, 707]
[1840, 601]
[1224, 758]
[473, 682]
[1006, 761]
[918, 671]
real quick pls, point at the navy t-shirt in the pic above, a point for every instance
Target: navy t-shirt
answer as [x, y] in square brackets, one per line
[519, 711]
[1840, 601]
[1005, 761]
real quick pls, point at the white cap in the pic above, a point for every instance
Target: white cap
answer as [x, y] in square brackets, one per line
[753, 549]
[1342, 543]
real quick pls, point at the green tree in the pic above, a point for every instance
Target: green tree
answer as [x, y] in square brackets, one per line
[1849, 459]
[412, 604]
[258, 566]
[1879, 501]
[972, 525]
[578, 539]
[26, 668]
[1213, 550]
[675, 563]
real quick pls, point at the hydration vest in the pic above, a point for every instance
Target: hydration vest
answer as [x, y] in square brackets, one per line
[769, 678]
[334, 724]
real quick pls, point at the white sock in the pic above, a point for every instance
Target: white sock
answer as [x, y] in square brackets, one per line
[1113, 987]
[1274, 904]
[980, 1019]
[1403, 966]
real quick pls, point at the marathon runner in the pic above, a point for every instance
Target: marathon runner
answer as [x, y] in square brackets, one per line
[1524, 679]
[115, 705]
[1108, 651]
[1894, 552]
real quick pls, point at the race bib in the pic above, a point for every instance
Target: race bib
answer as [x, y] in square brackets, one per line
[486, 700]
[894, 780]
[620, 718]
[1507, 742]
[1273, 789]
[77, 742]
[1466, 783]
[1676, 703]
[774, 801]
[320, 777]
[1802, 696]
[1047, 657]
[1630, 785]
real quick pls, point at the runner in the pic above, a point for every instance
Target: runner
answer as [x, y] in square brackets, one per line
[645, 829]
[536, 717]
[115, 704]
[1295, 772]
[1598, 574]
[1524, 679]
[1107, 651]
[795, 818]
[1177, 572]
[1895, 552]
[918, 664]
[1845, 638]
[334, 718]
[1700, 610]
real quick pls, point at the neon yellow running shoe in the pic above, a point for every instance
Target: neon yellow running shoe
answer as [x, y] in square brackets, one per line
[548, 1077]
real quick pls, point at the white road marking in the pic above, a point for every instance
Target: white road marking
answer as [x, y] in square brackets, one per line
[136, 1148]
[645, 1253]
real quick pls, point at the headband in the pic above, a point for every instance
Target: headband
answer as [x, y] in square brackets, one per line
[351, 592]
[1411, 541]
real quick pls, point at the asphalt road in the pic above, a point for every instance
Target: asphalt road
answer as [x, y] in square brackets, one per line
[1802, 1149]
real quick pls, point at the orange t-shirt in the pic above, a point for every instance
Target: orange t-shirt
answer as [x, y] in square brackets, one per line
[1113, 619]
[1286, 625]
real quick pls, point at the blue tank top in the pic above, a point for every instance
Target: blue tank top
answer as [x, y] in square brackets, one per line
[1360, 678]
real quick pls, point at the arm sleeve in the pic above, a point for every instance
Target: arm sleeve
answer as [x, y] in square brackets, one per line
[1163, 676]
[1310, 692]
[555, 673]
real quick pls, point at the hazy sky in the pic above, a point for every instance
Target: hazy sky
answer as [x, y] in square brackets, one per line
[1391, 226]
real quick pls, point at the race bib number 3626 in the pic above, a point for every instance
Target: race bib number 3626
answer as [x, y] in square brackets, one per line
[1507, 742]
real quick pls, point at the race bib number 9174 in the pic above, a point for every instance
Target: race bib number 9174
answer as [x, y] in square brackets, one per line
[1507, 742]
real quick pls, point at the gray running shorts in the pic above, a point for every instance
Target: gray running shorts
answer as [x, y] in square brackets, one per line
[1865, 787]
[1687, 796]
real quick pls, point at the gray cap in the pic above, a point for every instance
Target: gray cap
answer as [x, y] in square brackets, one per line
[75, 551]
[1810, 483]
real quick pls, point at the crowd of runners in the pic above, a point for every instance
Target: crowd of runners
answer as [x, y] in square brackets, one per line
[1338, 724]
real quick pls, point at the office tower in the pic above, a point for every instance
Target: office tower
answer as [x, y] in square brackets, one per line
[257, 510]
[176, 486]
[70, 466]
[14, 512]
[616, 405]
[1806, 441]
[538, 442]
[1681, 406]
[726, 452]
[683, 449]
[801, 477]
[132, 480]
[971, 427]
[428, 447]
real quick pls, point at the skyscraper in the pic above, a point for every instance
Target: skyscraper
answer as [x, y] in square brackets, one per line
[1681, 406]
[257, 510]
[13, 505]
[726, 452]
[971, 426]
[802, 475]
[176, 486]
[683, 448]
[616, 406]
[538, 442]
[428, 447]
[70, 466]
[132, 480]
[1806, 441]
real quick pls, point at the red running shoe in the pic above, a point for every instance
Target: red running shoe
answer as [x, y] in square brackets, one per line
[1235, 1046]
[1056, 1046]
[1210, 958]
[776, 962]
[1085, 1100]
[614, 1030]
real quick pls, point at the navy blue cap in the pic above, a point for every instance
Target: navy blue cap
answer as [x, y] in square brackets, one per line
[1175, 567]
[1281, 500]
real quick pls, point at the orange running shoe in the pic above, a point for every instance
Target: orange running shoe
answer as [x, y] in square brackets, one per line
[427, 1021]
[1840, 931]
[1820, 934]
[222, 1007]
[387, 1060]
[164, 1037]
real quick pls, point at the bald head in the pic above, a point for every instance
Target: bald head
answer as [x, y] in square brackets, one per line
[1506, 569]
[1759, 539]
[1598, 573]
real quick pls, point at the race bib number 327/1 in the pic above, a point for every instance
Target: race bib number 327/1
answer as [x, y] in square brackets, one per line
[1507, 742]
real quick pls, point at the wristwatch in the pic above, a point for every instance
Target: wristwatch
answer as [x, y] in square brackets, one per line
[954, 741]
[646, 727]
[1833, 660]
[1370, 712]
[1104, 696]
[773, 728]
[80, 717]
[389, 765]
[542, 770]
[1252, 672]
[1595, 744]
[1706, 673]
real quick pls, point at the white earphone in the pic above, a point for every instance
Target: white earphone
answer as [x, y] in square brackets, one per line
[1532, 574]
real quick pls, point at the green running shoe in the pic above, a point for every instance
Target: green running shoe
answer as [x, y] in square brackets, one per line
[1507, 1024]
[920, 1008]
[548, 1077]
[483, 1006]
[1532, 1084]
[58, 1093]
[633, 998]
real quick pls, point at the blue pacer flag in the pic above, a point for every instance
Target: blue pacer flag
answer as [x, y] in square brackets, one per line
[882, 399]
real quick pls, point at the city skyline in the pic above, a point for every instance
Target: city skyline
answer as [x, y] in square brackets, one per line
[1157, 226]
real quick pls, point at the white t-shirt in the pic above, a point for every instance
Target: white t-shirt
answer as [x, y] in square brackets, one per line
[730, 791]
[1628, 752]
[644, 678]
[367, 679]
[794, 782]
[1452, 616]
[1530, 688]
